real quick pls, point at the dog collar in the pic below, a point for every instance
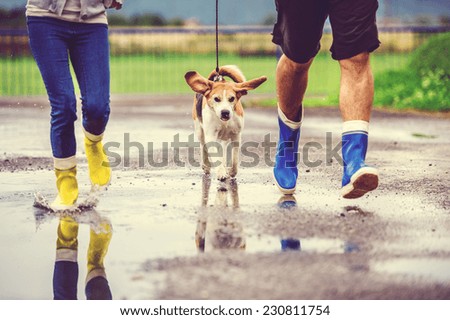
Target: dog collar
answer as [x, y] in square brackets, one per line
[218, 78]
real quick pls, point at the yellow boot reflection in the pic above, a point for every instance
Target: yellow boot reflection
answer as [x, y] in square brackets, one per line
[97, 287]
[65, 274]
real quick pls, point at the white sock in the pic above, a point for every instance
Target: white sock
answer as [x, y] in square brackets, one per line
[355, 126]
[93, 137]
[291, 124]
[66, 254]
[65, 163]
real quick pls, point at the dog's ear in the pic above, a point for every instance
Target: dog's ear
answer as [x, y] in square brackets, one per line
[242, 88]
[198, 83]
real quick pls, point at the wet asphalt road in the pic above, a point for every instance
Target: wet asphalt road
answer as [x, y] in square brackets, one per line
[177, 235]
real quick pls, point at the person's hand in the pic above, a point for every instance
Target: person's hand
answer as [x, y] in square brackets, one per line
[116, 4]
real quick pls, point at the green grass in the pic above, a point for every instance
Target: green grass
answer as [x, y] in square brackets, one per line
[164, 74]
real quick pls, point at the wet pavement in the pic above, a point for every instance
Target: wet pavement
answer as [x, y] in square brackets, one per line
[179, 235]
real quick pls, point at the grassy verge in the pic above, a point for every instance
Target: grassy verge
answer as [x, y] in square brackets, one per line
[396, 85]
[164, 74]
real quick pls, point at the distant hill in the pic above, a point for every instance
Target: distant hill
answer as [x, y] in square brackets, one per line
[249, 12]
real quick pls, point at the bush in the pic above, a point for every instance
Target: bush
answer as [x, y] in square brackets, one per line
[424, 84]
[432, 56]
[405, 89]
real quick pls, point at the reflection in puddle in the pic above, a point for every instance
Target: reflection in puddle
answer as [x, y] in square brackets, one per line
[355, 210]
[309, 245]
[287, 202]
[434, 269]
[66, 270]
[220, 226]
[316, 245]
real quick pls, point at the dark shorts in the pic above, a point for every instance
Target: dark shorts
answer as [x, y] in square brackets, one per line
[299, 27]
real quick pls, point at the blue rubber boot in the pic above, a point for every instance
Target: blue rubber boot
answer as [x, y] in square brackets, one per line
[286, 159]
[358, 178]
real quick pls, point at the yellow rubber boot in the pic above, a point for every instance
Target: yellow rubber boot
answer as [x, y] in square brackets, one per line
[67, 185]
[98, 163]
[98, 248]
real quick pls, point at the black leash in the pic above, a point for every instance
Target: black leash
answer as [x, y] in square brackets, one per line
[217, 36]
[218, 77]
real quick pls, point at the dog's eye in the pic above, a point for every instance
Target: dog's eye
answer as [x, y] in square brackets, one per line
[231, 99]
[216, 99]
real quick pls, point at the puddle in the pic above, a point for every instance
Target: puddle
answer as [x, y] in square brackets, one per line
[264, 243]
[167, 214]
[430, 269]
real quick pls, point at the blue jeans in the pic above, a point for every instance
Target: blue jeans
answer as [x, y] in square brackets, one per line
[52, 42]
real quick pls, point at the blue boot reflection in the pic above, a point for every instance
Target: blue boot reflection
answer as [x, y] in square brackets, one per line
[289, 202]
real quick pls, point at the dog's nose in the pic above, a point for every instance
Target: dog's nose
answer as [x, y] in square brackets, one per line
[225, 114]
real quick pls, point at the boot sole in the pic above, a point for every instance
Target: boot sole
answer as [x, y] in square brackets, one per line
[363, 181]
[283, 190]
[62, 207]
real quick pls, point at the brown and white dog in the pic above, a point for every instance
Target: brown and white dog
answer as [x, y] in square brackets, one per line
[219, 117]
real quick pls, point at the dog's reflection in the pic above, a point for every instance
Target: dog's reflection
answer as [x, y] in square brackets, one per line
[219, 225]
[65, 275]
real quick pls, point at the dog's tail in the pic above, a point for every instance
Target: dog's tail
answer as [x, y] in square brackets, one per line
[230, 71]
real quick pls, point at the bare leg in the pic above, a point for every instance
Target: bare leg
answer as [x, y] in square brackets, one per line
[356, 98]
[357, 88]
[292, 80]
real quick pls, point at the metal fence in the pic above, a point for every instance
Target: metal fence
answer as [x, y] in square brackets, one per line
[154, 60]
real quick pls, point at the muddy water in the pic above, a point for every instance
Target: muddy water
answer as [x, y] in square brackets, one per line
[177, 234]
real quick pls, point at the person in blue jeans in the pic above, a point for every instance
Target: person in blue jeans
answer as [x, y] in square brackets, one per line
[298, 31]
[74, 32]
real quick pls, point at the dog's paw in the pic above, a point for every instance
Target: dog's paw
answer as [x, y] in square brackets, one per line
[206, 169]
[222, 178]
[222, 174]
[232, 172]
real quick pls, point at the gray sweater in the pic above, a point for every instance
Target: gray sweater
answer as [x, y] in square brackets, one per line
[89, 8]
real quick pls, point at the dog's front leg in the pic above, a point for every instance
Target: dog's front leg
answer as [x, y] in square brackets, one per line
[235, 146]
[206, 165]
[215, 154]
[222, 173]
